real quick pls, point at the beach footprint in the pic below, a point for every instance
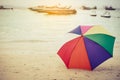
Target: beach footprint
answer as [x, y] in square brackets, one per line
[118, 75]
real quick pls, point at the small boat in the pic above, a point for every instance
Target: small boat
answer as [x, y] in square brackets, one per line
[88, 8]
[61, 11]
[109, 8]
[54, 10]
[93, 14]
[106, 15]
[3, 8]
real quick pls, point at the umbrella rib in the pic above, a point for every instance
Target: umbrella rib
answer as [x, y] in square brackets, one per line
[72, 52]
[89, 57]
[87, 54]
[99, 33]
[102, 44]
[99, 45]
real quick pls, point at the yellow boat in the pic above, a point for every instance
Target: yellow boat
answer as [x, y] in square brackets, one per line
[62, 11]
[54, 10]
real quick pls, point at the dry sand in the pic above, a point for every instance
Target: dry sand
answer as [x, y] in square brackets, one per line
[20, 61]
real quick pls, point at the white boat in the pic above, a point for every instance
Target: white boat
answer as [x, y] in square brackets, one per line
[93, 13]
[106, 15]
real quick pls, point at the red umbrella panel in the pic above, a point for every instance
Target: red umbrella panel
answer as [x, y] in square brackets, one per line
[89, 50]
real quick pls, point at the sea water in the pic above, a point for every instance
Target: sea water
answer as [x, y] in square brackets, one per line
[25, 29]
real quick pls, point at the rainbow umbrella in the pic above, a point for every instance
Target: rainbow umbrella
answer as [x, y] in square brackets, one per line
[89, 50]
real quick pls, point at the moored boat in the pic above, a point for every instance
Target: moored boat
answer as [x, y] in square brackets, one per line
[62, 11]
[88, 8]
[3, 8]
[54, 10]
[93, 13]
[106, 15]
[109, 8]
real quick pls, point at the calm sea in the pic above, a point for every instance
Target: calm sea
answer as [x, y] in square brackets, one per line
[22, 26]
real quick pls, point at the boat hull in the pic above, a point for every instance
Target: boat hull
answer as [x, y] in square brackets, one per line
[54, 10]
[61, 12]
[106, 16]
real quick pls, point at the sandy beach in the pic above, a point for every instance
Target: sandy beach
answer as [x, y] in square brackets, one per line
[26, 63]
[28, 48]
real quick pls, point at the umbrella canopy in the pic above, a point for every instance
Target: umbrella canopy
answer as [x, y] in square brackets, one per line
[90, 49]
